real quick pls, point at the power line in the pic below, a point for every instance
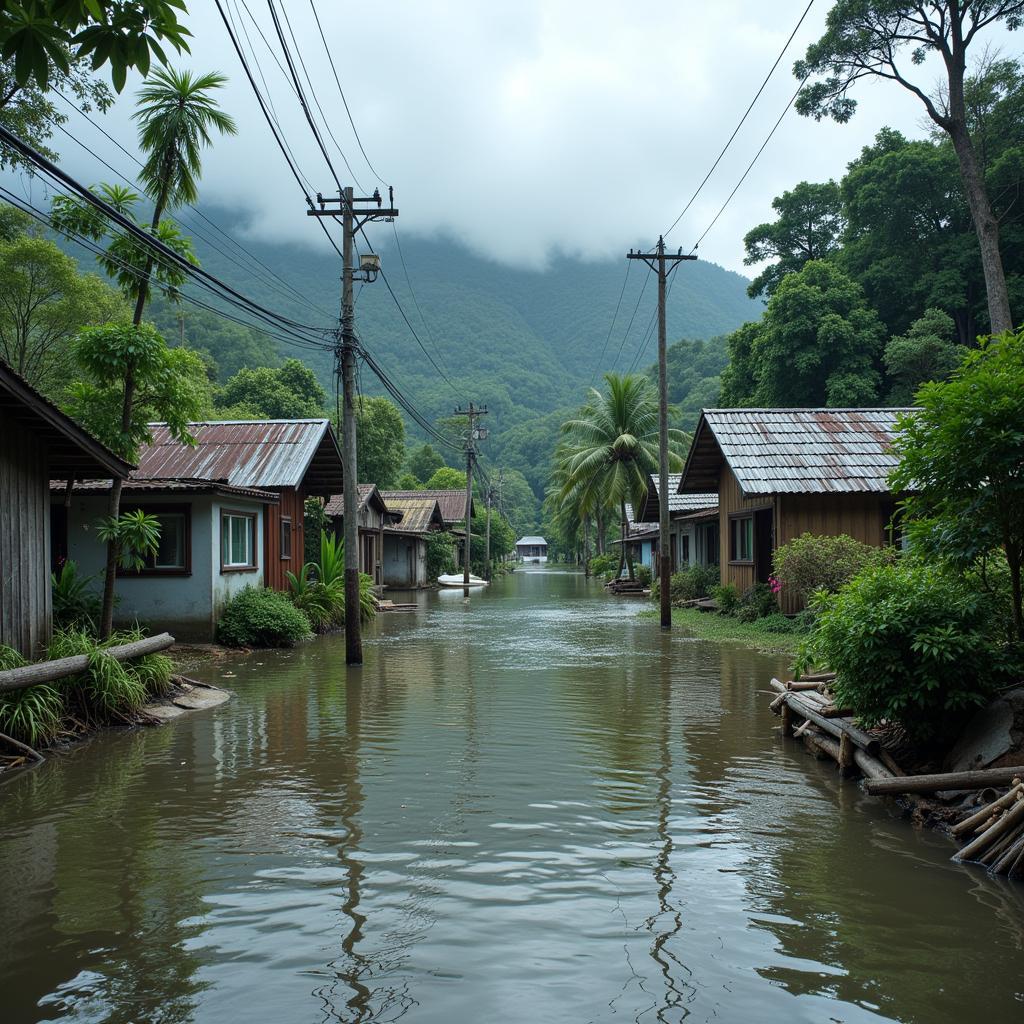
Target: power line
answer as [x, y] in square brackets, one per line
[750, 166]
[629, 326]
[746, 114]
[341, 92]
[611, 327]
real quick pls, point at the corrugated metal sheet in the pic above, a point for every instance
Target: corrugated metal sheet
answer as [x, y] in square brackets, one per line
[259, 453]
[800, 451]
[452, 503]
[418, 514]
[678, 504]
[138, 486]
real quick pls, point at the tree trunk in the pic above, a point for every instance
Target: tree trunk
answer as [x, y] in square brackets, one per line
[986, 225]
[1013, 561]
[627, 553]
[600, 532]
[622, 543]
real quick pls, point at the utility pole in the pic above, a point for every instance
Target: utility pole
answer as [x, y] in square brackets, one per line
[473, 434]
[487, 545]
[354, 212]
[662, 265]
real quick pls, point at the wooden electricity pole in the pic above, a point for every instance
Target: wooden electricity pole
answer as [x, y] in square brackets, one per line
[354, 212]
[473, 434]
[662, 265]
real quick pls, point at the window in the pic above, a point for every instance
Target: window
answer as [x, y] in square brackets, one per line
[172, 554]
[684, 549]
[286, 538]
[237, 541]
[741, 546]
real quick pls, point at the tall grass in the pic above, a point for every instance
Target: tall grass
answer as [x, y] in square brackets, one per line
[33, 715]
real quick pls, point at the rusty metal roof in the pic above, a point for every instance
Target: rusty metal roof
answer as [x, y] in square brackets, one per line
[793, 451]
[335, 504]
[167, 486]
[419, 514]
[249, 453]
[452, 502]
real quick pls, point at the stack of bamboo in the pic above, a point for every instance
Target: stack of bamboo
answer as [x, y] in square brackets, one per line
[998, 834]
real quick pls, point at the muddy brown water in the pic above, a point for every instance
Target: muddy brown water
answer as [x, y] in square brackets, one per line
[529, 807]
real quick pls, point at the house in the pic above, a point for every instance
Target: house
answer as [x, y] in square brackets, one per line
[693, 523]
[37, 441]
[451, 502]
[641, 540]
[413, 520]
[231, 512]
[780, 473]
[373, 517]
[532, 549]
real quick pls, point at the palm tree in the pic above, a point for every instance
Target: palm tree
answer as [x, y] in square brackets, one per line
[611, 447]
[176, 115]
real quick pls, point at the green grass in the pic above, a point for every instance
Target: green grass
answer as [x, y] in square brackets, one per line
[709, 626]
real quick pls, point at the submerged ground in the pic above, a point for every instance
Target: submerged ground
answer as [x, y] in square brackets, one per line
[530, 806]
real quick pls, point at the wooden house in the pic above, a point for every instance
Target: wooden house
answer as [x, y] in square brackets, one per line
[693, 523]
[780, 473]
[452, 504]
[411, 522]
[37, 441]
[373, 517]
[532, 549]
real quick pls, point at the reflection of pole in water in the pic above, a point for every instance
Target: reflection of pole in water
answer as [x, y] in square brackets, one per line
[664, 873]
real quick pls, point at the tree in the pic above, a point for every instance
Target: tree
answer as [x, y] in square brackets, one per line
[926, 352]
[611, 447]
[380, 440]
[44, 301]
[43, 34]
[290, 391]
[867, 38]
[960, 460]
[423, 462]
[818, 344]
[26, 108]
[809, 227]
[446, 479]
[167, 385]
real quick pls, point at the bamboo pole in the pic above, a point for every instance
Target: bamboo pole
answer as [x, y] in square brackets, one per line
[977, 779]
[981, 816]
[1013, 817]
[48, 671]
[835, 726]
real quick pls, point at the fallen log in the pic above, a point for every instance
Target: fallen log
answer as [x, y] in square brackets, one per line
[818, 677]
[981, 816]
[803, 684]
[871, 767]
[60, 668]
[835, 726]
[977, 779]
[822, 743]
[22, 748]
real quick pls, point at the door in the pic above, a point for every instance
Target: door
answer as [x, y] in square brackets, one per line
[763, 544]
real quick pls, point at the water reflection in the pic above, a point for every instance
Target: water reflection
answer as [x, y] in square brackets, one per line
[531, 806]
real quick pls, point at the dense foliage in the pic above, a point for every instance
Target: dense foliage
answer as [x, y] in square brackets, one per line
[440, 555]
[910, 644]
[688, 584]
[288, 391]
[810, 563]
[257, 617]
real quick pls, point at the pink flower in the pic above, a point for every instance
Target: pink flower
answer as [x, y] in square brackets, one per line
[774, 585]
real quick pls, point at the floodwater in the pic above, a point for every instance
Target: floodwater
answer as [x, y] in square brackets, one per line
[528, 807]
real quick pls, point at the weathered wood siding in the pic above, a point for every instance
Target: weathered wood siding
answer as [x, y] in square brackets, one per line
[292, 506]
[730, 500]
[25, 609]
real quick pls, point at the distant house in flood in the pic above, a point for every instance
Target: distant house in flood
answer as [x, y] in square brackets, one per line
[230, 510]
[452, 505]
[373, 517]
[411, 522]
[37, 441]
[532, 549]
[780, 473]
[693, 523]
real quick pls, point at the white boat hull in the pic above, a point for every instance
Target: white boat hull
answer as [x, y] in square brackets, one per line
[457, 581]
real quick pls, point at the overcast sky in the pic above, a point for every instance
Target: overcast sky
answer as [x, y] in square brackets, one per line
[530, 127]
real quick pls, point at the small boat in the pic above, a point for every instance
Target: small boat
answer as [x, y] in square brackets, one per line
[455, 580]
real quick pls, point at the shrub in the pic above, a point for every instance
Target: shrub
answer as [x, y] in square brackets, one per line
[726, 597]
[33, 715]
[779, 623]
[910, 644]
[810, 563]
[602, 565]
[322, 606]
[440, 557]
[643, 575]
[690, 584]
[74, 605]
[256, 617]
[757, 602]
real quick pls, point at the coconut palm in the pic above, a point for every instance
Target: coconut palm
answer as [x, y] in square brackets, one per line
[611, 447]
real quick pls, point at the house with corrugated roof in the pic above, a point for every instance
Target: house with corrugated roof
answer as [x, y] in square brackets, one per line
[37, 440]
[412, 521]
[373, 517]
[693, 523]
[532, 549]
[780, 473]
[230, 509]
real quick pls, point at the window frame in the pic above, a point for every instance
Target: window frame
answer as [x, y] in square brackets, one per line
[734, 519]
[229, 567]
[285, 521]
[183, 509]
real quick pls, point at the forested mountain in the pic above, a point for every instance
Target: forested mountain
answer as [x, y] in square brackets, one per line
[526, 343]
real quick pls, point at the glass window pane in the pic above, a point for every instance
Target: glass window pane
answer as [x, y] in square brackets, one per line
[171, 546]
